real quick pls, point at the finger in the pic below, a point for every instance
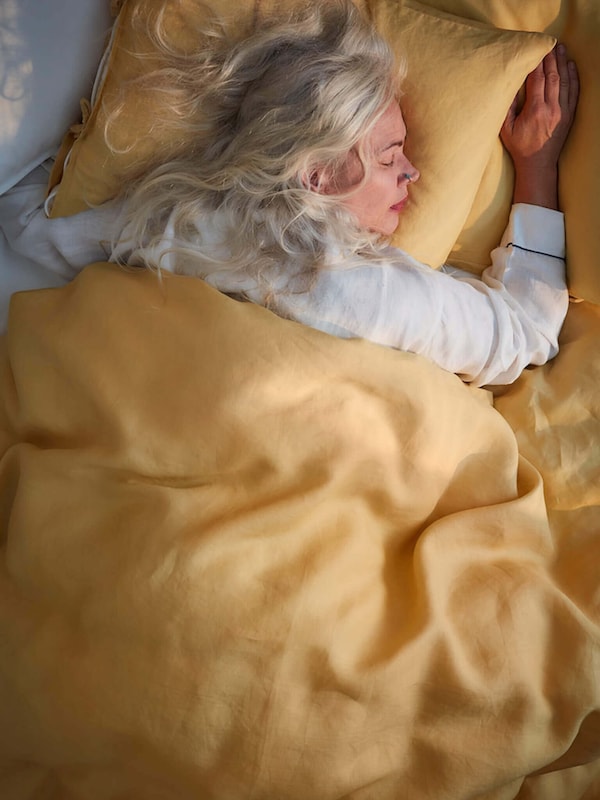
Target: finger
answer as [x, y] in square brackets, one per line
[551, 78]
[534, 85]
[565, 80]
[573, 86]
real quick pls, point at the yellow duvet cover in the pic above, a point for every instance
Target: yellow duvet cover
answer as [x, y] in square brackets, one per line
[244, 559]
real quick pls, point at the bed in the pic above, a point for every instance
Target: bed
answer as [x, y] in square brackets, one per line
[245, 559]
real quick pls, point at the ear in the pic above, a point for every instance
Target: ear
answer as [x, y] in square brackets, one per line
[316, 180]
[335, 180]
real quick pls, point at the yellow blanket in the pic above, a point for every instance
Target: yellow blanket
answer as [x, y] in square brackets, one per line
[244, 559]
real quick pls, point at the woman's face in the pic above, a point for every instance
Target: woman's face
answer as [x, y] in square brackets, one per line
[379, 201]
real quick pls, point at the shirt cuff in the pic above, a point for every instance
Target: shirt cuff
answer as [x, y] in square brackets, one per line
[536, 228]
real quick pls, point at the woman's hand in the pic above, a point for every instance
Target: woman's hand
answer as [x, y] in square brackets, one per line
[535, 136]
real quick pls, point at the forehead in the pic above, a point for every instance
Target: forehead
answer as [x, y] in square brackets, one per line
[389, 129]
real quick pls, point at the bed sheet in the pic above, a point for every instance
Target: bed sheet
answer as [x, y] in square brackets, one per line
[20, 271]
[48, 57]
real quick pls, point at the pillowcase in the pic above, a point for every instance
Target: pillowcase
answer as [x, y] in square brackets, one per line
[86, 172]
[579, 169]
[48, 57]
[534, 15]
[462, 78]
[577, 24]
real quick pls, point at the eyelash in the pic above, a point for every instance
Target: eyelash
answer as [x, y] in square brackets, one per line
[388, 163]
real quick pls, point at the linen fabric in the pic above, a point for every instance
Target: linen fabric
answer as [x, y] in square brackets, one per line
[18, 271]
[62, 245]
[468, 178]
[450, 141]
[87, 172]
[242, 558]
[49, 54]
[462, 77]
[577, 24]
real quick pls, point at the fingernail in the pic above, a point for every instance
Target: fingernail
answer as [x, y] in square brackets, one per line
[562, 48]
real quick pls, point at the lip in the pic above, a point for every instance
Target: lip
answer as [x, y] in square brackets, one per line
[399, 206]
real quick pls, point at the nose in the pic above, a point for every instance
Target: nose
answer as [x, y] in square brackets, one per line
[409, 174]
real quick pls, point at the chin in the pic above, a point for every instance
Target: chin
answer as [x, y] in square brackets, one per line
[387, 230]
[384, 227]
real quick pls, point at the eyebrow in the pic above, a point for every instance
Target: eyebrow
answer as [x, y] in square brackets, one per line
[399, 143]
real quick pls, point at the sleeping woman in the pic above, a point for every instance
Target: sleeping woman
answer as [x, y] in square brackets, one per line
[300, 176]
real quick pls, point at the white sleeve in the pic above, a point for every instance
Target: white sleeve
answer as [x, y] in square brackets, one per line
[486, 330]
[63, 245]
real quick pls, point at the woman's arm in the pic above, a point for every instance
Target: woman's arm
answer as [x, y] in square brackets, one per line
[487, 330]
[535, 135]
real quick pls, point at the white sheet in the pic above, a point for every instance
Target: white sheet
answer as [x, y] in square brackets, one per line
[19, 272]
[37, 252]
[49, 53]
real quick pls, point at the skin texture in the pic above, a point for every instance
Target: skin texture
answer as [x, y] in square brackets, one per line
[378, 200]
[535, 135]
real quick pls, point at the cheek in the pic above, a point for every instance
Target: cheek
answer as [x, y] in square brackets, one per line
[371, 203]
[383, 192]
[380, 185]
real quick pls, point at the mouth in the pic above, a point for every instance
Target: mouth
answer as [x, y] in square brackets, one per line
[398, 207]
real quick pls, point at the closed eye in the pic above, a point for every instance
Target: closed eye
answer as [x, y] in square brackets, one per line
[399, 144]
[391, 161]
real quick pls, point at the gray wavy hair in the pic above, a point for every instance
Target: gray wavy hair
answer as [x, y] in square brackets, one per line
[267, 112]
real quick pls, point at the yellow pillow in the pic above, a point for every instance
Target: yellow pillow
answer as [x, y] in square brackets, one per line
[515, 15]
[462, 78]
[86, 172]
[577, 24]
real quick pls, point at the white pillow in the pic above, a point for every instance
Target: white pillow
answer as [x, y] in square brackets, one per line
[49, 53]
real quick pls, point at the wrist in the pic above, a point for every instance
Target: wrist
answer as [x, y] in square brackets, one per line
[536, 185]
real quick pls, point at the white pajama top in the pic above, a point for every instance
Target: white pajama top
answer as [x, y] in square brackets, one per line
[487, 330]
